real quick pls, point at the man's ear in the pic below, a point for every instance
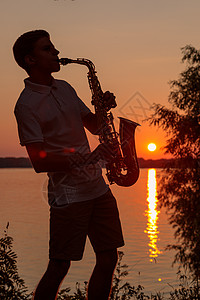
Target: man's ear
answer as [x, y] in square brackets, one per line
[30, 60]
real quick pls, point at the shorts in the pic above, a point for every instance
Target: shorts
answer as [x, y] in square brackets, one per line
[70, 225]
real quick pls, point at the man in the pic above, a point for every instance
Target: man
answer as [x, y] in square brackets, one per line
[51, 120]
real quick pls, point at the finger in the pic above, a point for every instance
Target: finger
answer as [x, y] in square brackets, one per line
[106, 95]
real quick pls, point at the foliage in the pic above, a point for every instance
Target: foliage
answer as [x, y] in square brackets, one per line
[78, 295]
[124, 291]
[179, 189]
[187, 290]
[11, 285]
[120, 290]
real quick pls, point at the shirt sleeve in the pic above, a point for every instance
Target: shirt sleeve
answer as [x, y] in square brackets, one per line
[29, 129]
[84, 110]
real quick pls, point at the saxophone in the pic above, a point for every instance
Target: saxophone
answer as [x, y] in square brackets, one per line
[123, 169]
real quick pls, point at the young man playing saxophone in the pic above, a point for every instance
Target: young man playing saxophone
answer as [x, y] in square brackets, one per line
[51, 120]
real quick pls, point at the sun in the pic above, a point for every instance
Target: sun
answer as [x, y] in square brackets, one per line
[151, 147]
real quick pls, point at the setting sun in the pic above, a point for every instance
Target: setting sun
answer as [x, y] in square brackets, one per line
[151, 147]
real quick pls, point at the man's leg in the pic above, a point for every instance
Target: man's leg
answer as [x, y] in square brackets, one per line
[101, 280]
[51, 280]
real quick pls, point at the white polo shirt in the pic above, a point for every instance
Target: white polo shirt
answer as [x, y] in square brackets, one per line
[53, 115]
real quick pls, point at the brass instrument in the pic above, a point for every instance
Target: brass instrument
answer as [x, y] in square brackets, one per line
[124, 169]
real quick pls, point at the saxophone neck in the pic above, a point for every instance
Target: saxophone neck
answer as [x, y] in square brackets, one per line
[80, 61]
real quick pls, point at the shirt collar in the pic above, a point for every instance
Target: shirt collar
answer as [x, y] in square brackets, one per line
[43, 89]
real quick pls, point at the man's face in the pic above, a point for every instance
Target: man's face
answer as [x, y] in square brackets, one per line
[45, 56]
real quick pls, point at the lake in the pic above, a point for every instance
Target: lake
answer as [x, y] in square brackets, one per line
[146, 231]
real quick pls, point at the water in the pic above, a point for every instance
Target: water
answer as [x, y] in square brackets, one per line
[146, 231]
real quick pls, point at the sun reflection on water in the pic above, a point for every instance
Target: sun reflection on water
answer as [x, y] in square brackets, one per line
[152, 215]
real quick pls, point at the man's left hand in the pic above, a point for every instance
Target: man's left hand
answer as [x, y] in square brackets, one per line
[109, 100]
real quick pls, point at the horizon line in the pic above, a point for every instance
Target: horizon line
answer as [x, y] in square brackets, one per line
[137, 158]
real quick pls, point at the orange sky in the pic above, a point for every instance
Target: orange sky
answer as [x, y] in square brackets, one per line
[135, 46]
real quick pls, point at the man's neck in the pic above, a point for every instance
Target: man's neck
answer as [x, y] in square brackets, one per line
[41, 79]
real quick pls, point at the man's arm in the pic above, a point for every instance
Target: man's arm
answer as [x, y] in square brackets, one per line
[90, 122]
[43, 162]
[50, 162]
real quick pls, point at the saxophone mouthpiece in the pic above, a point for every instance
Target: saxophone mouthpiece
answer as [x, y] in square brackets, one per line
[65, 61]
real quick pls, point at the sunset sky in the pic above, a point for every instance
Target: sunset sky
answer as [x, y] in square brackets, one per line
[135, 46]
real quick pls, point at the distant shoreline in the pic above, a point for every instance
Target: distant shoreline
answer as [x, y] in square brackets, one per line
[24, 162]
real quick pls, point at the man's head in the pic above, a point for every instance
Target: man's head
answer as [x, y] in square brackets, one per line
[33, 49]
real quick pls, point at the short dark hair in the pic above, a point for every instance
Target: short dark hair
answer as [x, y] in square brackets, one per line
[24, 45]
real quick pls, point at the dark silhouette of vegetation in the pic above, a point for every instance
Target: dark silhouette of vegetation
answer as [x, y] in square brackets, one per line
[12, 287]
[179, 189]
[120, 290]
